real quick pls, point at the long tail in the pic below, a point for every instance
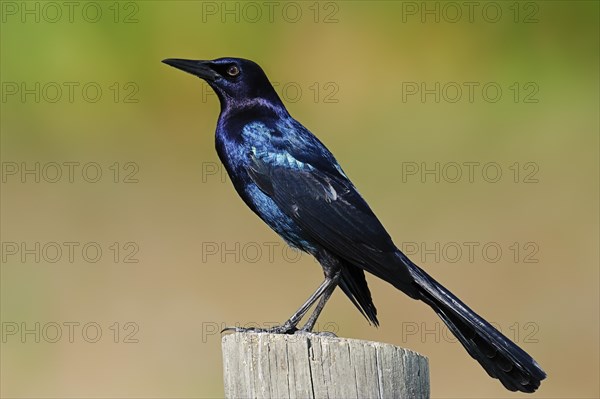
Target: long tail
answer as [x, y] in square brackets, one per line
[498, 355]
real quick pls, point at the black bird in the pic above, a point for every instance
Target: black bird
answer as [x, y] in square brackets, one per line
[295, 185]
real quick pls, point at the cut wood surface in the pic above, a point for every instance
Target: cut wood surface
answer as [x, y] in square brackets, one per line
[263, 365]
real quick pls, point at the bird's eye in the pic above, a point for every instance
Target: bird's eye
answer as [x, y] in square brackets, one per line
[233, 70]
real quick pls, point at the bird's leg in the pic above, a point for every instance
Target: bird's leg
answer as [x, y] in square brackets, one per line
[310, 324]
[332, 269]
[289, 327]
[327, 285]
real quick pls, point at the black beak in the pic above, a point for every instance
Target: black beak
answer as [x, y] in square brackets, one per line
[201, 69]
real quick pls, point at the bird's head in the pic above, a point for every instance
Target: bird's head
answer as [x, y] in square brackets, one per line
[235, 80]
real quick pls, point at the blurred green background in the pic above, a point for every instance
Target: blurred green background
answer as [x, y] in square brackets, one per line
[85, 85]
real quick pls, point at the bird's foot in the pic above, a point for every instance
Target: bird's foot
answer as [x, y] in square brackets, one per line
[283, 329]
[279, 330]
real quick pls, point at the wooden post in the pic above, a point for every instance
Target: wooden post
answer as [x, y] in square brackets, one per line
[262, 365]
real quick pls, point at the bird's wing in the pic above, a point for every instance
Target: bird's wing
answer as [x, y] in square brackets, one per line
[328, 208]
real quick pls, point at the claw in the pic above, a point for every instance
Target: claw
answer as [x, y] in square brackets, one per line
[283, 329]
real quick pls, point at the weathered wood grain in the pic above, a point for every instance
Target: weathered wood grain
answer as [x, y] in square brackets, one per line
[261, 365]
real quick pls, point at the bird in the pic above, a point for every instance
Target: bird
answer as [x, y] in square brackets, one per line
[289, 178]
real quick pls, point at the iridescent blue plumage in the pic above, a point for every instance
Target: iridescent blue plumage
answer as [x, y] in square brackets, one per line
[271, 143]
[295, 185]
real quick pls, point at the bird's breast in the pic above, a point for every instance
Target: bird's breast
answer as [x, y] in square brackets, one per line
[235, 154]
